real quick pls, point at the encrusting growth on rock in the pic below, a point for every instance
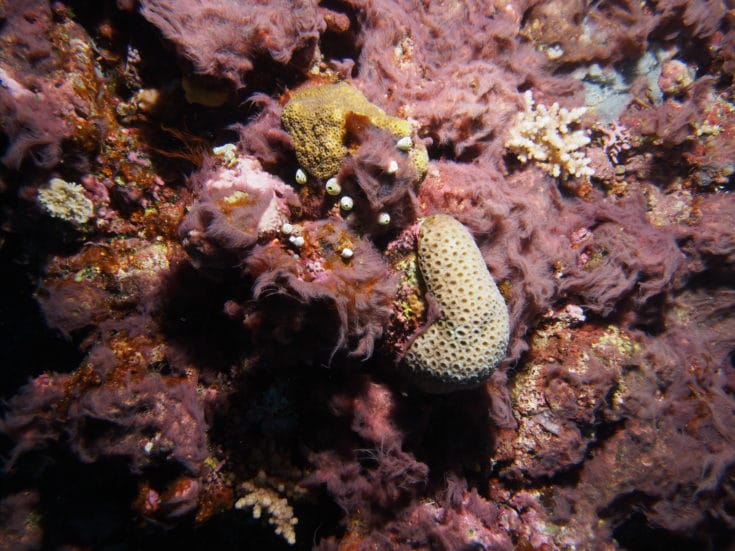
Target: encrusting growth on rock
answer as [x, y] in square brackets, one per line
[320, 118]
[470, 337]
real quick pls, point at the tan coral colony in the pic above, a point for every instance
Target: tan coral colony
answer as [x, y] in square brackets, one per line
[470, 338]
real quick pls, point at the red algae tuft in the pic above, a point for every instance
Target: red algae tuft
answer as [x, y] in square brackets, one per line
[211, 219]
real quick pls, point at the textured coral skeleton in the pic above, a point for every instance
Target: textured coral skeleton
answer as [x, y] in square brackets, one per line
[468, 340]
[543, 135]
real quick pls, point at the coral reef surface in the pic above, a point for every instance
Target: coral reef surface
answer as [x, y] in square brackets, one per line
[367, 274]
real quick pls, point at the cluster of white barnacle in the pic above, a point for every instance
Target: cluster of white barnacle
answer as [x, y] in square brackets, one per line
[293, 233]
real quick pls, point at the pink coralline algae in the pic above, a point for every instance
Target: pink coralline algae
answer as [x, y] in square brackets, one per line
[213, 281]
[238, 205]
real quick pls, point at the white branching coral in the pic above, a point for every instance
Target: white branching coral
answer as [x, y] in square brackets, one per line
[280, 514]
[543, 135]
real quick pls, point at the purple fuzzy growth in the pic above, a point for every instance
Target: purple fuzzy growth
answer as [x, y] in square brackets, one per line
[675, 456]
[365, 176]
[32, 102]
[33, 123]
[236, 34]
[237, 222]
[547, 247]
[144, 418]
[624, 255]
[263, 137]
[355, 294]
[237, 205]
[410, 49]
[701, 18]
[460, 518]
[31, 421]
[671, 121]
[712, 239]
[379, 476]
